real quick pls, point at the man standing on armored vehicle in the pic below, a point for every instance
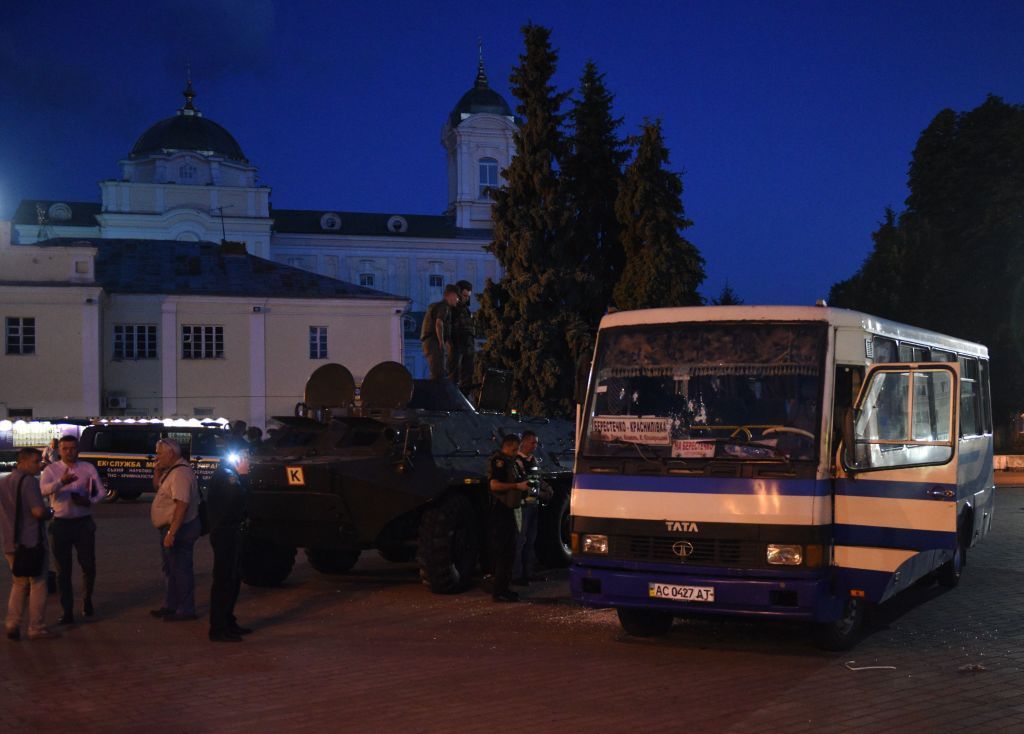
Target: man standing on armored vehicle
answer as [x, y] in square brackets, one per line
[507, 487]
[436, 332]
[460, 366]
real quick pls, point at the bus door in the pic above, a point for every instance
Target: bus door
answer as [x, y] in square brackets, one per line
[895, 503]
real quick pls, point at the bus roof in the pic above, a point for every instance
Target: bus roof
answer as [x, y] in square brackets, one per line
[840, 317]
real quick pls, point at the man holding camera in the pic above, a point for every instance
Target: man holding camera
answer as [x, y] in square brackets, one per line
[507, 488]
[538, 494]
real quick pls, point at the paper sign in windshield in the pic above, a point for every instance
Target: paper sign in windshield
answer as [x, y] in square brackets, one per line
[691, 449]
[648, 431]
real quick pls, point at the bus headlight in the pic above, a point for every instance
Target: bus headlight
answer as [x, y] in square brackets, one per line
[596, 544]
[785, 555]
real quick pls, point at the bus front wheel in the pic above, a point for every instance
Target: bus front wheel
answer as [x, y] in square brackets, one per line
[844, 632]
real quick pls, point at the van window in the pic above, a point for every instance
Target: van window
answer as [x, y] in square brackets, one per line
[970, 409]
[119, 441]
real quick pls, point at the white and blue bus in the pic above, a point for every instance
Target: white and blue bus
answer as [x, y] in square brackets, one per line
[788, 462]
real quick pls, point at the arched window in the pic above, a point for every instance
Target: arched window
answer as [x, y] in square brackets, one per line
[488, 176]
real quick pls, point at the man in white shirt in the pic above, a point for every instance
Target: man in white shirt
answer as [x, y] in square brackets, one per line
[175, 515]
[73, 487]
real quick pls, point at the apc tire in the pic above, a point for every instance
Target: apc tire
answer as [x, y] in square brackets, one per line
[265, 563]
[398, 553]
[645, 622]
[449, 545]
[843, 633]
[332, 561]
[950, 572]
[553, 540]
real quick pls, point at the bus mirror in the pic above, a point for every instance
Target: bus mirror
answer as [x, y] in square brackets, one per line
[849, 459]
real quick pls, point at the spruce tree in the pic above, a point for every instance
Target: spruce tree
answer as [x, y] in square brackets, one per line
[531, 316]
[592, 174]
[727, 297]
[662, 267]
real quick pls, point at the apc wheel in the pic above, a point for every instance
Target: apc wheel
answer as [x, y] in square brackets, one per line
[645, 622]
[449, 545]
[327, 560]
[265, 563]
[843, 633]
[398, 553]
[553, 539]
[950, 572]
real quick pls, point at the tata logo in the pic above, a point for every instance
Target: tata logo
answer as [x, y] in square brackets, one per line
[681, 526]
[682, 548]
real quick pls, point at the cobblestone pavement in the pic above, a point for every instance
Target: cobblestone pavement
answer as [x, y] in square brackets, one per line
[374, 651]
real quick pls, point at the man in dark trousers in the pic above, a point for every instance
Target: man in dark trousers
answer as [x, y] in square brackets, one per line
[73, 487]
[436, 332]
[460, 366]
[226, 508]
[507, 487]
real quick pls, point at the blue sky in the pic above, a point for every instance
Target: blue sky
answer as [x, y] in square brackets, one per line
[792, 122]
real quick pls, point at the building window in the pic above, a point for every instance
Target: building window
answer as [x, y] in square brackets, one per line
[366, 279]
[186, 172]
[21, 335]
[318, 342]
[488, 176]
[202, 342]
[134, 341]
[436, 280]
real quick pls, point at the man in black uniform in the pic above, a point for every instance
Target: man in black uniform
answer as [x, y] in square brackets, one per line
[526, 538]
[226, 506]
[507, 487]
[460, 366]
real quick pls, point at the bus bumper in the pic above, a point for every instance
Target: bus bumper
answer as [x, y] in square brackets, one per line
[803, 598]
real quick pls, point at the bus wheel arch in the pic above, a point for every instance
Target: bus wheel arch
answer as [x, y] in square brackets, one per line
[950, 572]
[842, 633]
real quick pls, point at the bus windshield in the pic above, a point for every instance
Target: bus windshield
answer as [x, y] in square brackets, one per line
[707, 390]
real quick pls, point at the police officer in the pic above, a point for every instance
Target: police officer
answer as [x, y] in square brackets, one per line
[460, 366]
[226, 508]
[507, 486]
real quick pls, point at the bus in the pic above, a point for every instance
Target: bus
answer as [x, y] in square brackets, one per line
[776, 462]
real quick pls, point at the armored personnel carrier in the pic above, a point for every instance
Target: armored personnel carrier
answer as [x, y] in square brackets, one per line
[403, 470]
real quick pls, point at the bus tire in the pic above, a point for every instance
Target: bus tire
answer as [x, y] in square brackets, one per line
[843, 633]
[950, 572]
[645, 622]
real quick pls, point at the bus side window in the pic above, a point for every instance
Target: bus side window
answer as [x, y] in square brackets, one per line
[986, 396]
[970, 413]
[885, 350]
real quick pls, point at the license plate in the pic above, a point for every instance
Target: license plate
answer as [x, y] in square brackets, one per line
[681, 593]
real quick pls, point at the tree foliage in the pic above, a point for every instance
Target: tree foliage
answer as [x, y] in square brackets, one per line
[591, 175]
[727, 297]
[662, 268]
[532, 315]
[953, 260]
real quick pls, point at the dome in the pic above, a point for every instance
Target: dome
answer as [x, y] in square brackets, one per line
[480, 99]
[188, 130]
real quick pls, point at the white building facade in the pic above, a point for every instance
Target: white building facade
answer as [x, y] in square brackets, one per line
[186, 179]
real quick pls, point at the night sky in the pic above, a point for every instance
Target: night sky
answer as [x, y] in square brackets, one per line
[792, 122]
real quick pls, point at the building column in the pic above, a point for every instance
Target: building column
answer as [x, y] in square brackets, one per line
[258, 367]
[169, 357]
[92, 349]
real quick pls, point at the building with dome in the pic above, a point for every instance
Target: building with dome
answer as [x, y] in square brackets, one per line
[187, 179]
[129, 306]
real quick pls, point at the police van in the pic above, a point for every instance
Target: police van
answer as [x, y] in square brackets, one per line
[124, 453]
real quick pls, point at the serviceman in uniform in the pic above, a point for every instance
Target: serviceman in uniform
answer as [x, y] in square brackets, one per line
[436, 332]
[526, 539]
[507, 488]
[226, 505]
[460, 366]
